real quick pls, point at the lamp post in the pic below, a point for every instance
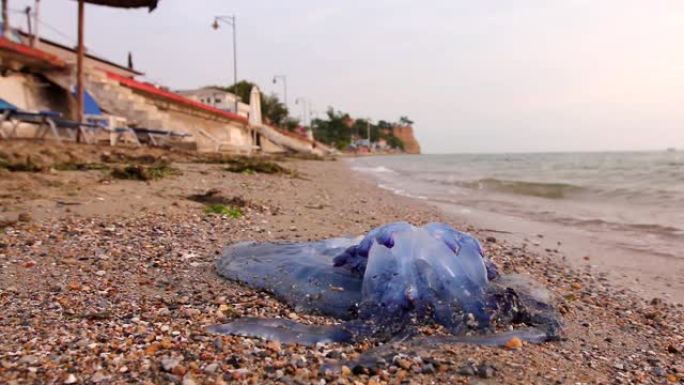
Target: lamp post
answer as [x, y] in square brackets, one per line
[284, 80]
[231, 21]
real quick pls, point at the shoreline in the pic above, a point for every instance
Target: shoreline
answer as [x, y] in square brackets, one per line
[111, 281]
[646, 273]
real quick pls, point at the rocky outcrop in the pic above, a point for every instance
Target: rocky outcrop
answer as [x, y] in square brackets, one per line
[405, 134]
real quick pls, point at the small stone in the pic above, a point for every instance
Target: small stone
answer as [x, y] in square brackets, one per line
[211, 368]
[191, 312]
[404, 363]
[71, 379]
[239, 374]
[346, 371]
[660, 372]
[30, 360]
[273, 346]
[428, 369]
[485, 371]
[170, 363]
[218, 343]
[98, 377]
[24, 217]
[672, 378]
[29, 264]
[514, 343]
[188, 380]
[576, 285]
[466, 370]
[100, 273]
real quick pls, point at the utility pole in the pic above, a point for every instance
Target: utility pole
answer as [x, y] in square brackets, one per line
[79, 66]
[5, 20]
[36, 24]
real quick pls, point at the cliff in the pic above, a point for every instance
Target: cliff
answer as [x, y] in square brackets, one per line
[405, 134]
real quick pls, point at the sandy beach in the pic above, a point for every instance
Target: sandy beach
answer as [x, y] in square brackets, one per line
[107, 280]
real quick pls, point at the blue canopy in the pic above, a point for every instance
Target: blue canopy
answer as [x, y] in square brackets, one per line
[5, 105]
[90, 106]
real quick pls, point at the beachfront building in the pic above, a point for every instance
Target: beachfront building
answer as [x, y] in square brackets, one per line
[40, 78]
[217, 98]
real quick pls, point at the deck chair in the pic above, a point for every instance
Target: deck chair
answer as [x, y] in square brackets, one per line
[115, 126]
[47, 122]
[157, 137]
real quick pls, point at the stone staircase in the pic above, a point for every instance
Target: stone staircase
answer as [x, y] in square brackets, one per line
[122, 101]
[140, 111]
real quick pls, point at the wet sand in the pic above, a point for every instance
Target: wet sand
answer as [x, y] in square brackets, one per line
[112, 281]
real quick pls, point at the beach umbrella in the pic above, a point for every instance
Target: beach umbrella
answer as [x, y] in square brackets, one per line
[255, 111]
[151, 4]
[255, 107]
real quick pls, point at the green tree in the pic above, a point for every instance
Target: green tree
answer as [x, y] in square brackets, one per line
[405, 121]
[244, 89]
[273, 110]
[334, 129]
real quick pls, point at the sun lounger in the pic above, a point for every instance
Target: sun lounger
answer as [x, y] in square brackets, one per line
[157, 137]
[47, 122]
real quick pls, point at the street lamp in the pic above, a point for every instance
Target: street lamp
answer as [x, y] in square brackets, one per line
[284, 79]
[230, 20]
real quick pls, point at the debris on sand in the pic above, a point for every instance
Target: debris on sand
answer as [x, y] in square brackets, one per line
[144, 173]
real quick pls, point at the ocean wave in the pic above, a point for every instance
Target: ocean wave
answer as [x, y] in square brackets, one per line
[401, 192]
[536, 189]
[375, 170]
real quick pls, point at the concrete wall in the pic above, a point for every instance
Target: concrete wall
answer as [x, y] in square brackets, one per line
[32, 93]
[227, 134]
[269, 147]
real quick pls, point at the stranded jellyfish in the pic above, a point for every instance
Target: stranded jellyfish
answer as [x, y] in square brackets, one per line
[385, 284]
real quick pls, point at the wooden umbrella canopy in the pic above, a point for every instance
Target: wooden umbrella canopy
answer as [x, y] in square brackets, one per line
[151, 4]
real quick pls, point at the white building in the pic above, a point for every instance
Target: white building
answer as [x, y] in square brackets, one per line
[217, 98]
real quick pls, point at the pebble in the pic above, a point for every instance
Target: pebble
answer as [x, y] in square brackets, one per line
[98, 377]
[273, 346]
[71, 379]
[188, 380]
[466, 370]
[485, 371]
[514, 343]
[170, 363]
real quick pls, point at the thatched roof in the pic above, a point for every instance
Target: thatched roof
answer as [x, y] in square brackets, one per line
[151, 4]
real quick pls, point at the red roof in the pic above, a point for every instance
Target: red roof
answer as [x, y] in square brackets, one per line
[23, 51]
[153, 90]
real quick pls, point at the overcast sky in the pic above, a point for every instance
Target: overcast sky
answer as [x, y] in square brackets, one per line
[476, 76]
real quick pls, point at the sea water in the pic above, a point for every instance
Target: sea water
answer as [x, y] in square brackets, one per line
[623, 212]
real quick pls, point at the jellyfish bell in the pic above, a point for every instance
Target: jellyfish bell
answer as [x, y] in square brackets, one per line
[385, 284]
